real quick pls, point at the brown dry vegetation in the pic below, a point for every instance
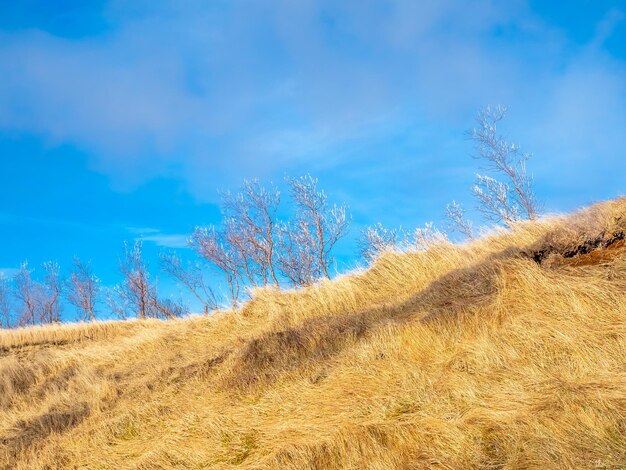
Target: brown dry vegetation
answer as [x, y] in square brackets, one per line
[509, 352]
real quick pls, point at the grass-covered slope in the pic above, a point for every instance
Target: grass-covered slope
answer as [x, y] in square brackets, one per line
[509, 352]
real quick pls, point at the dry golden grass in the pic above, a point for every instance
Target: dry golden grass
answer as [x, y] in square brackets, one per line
[509, 352]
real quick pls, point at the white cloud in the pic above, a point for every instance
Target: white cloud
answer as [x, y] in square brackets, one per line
[204, 95]
[156, 236]
[168, 240]
[143, 230]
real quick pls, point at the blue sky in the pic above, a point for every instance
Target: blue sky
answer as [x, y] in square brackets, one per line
[121, 120]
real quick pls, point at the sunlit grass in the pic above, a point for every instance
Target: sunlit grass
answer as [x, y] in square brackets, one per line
[473, 356]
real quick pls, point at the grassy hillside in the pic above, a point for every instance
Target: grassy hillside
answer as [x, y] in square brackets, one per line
[509, 352]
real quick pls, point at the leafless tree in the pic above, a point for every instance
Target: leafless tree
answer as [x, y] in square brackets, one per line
[457, 221]
[325, 224]
[26, 294]
[137, 294]
[425, 237]
[191, 277]
[117, 302]
[296, 259]
[251, 229]
[6, 320]
[375, 239]
[137, 287]
[512, 199]
[50, 293]
[210, 244]
[82, 289]
[169, 308]
[39, 302]
[254, 247]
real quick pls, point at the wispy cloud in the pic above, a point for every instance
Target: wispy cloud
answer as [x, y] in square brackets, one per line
[166, 240]
[143, 230]
[203, 93]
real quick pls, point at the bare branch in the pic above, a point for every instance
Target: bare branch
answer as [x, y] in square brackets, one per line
[502, 202]
[26, 294]
[325, 225]
[296, 260]
[51, 293]
[376, 239]
[456, 221]
[495, 202]
[136, 284]
[210, 244]
[117, 302]
[251, 228]
[254, 248]
[169, 308]
[82, 289]
[425, 237]
[137, 293]
[6, 320]
[191, 277]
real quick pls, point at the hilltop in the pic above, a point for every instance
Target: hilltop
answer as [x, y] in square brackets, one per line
[506, 352]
